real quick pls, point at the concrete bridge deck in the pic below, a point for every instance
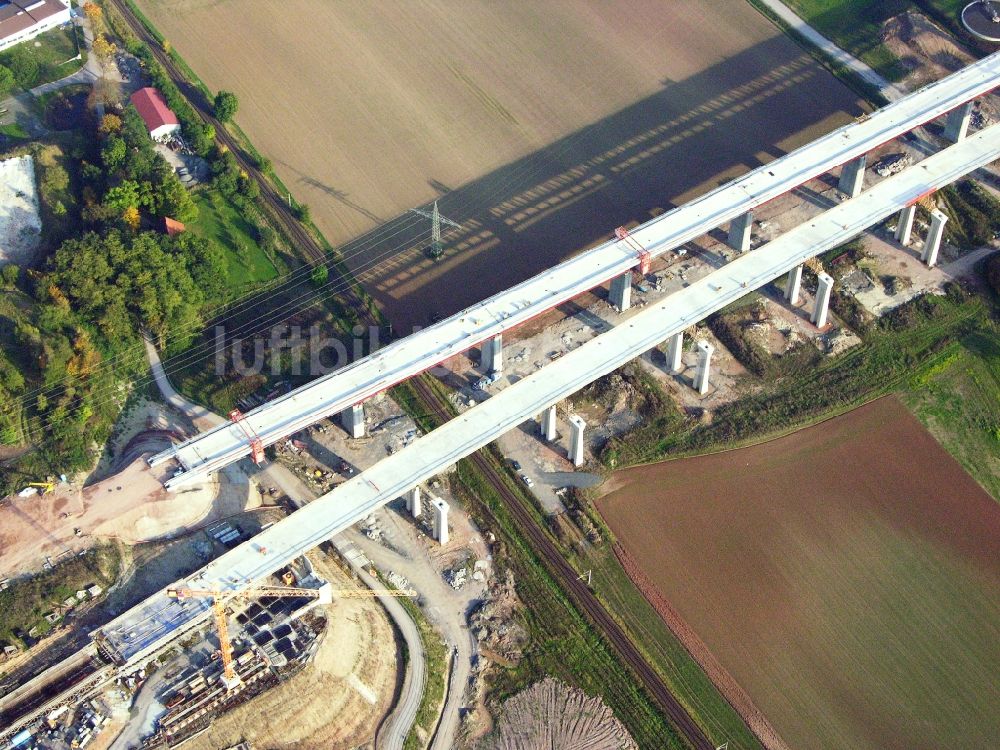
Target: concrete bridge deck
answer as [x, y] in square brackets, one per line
[353, 384]
[143, 629]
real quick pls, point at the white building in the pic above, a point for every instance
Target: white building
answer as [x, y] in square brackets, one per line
[21, 20]
[160, 120]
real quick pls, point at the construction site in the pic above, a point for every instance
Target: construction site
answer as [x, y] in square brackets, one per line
[279, 606]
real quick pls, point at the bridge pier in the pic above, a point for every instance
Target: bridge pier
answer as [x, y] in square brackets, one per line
[705, 351]
[621, 291]
[413, 502]
[739, 232]
[353, 420]
[822, 306]
[674, 352]
[793, 285]
[577, 426]
[439, 521]
[956, 126]
[548, 424]
[904, 226]
[852, 176]
[492, 355]
[933, 242]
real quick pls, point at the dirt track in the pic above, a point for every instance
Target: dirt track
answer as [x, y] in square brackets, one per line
[572, 583]
[847, 576]
[525, 122]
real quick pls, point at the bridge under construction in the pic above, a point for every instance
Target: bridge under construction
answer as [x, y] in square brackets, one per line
[143, 630]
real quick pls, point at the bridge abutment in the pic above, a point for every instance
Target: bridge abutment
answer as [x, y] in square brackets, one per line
[413, 502]
[739, 232]
[353, 420]
[577, 427]
[548, 424]
[956, 126]
[674, 353]
[793, 285]
[822, 306]
[904, 228]
[852, 176]
[621, 291]
[705, 351]
[933, 242]
[492, 355]
[439, 521]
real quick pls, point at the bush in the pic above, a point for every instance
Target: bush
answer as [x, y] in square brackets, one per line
[226, 105]
[993, 272]
[10, 275]
[7, 81]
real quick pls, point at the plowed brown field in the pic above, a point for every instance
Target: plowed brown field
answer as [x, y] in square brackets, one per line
[541, 125]
[847, 576]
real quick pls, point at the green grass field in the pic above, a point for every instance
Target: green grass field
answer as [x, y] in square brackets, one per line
[13, 130]
[246, 263]
[959, 402]
[47, 57]
[854, 26]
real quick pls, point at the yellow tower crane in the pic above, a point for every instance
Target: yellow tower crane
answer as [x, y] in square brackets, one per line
[222, 599]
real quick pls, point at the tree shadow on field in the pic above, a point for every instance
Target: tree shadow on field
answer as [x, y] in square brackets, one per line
[536, 211]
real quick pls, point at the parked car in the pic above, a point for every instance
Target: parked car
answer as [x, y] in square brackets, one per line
[527, 480]
[515, 465]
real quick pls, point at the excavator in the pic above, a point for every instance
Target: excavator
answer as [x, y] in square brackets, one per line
[221, 600]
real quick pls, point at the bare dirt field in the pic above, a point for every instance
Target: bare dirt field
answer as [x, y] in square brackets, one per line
[847, 576]
[528, 120]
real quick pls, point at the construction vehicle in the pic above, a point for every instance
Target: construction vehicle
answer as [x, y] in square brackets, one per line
[44, 487]
[222, 599]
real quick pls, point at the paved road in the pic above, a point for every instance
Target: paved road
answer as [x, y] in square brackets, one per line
[890, 91]
[202, 417]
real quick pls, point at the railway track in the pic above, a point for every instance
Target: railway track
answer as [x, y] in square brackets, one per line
[578, 591]
[306, 243]
[557, 565]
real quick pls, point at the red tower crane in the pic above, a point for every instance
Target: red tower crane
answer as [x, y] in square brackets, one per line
[256, 446]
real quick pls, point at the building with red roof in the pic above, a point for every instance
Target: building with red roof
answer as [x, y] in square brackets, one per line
[160, 121]
[172, 227]
[21, 20]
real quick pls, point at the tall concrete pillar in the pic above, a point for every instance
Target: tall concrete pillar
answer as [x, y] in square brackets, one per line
[739, 232]
[353, 419]
[413, 502]
[705, 351]
[492, 350]
[933, 242]
[852, 176]
[548, 424]
[621, 291]
[904, 226]
[674, 353]
[822, 307]
[956, 127]
[577, 426]
[793, 285]
[439, 520]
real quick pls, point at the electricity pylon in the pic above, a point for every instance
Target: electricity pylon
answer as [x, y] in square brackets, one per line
[437, 249]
